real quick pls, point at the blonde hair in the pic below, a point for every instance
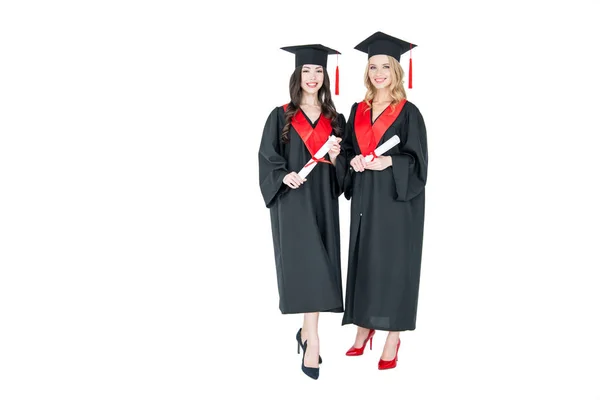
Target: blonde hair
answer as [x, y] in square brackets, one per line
[396, 87]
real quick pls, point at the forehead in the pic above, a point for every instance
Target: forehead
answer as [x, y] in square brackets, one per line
[312, 66]
[379, 59]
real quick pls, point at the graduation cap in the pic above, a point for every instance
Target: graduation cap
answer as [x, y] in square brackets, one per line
[314, 54]
[381, 43]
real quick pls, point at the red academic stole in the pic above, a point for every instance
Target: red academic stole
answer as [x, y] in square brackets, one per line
[315, 138]
[367, 135]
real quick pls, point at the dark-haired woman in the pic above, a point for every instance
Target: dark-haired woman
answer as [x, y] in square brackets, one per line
[304, 212]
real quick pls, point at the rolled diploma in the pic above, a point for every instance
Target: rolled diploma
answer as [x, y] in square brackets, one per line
[320, 154]
[391, 142]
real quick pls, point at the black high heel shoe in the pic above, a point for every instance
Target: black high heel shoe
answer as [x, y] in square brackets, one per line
[311, 372]
[299, 340]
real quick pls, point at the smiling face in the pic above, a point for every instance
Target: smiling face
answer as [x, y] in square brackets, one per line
[312, 78]
[380, 72]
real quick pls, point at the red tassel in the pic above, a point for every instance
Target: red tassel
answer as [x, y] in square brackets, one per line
[410, 69]
[337, 80]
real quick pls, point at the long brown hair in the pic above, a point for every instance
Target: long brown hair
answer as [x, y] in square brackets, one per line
[324, 97]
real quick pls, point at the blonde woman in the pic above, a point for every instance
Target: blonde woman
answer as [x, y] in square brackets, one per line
[388, 202]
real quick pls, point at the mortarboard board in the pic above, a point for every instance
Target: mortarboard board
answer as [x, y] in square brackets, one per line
[381, 43]
[314, 54]
[311, 54]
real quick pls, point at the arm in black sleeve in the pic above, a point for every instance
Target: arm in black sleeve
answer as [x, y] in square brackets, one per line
[272, 165]
[410, 166]
[335, 171]
[345, 173]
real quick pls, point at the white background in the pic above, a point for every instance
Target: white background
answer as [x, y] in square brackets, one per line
[136, 259]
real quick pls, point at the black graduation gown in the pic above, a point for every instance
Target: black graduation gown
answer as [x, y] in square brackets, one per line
[386, 227]
[304, 222]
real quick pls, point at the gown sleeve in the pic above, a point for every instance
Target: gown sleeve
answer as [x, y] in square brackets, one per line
[272, 165]
[335, 171]
[344, 171]
[410, 166]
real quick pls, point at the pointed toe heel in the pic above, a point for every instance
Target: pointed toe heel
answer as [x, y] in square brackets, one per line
[358, 351]
[309, 371]
[389, 364]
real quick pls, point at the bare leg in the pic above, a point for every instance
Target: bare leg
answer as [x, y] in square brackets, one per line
[391, 343]
[310, 332]
[361, 336]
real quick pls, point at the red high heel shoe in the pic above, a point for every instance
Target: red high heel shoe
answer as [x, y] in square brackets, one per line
[358, 351]
[389, 364]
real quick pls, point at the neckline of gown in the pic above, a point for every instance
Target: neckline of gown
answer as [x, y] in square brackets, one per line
[313, 124]
[380, 114]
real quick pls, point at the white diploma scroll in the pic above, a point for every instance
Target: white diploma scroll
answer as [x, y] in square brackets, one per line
[388, 144]
[320, 154]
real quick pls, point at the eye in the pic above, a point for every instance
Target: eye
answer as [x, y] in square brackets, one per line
[372, 67]
[320, 71]
[305, 71]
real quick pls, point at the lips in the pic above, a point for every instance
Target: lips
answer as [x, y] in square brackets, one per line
[379, 80]
[311, 85]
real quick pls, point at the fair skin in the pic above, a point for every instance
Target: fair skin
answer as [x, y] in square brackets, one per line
[312, 81]
[310, 332]
[380, 75]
